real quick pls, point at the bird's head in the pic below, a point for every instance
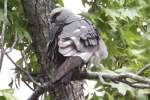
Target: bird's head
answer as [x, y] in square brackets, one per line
[60, 15]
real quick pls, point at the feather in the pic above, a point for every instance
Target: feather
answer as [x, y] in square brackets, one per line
[71, 53]
[65, 50]
[63, 43]
[77, 43]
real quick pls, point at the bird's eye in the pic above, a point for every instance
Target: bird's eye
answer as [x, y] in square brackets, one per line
[53, 19]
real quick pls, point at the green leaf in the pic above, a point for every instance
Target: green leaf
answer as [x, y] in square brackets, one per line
[8, 94]
[2, 98]
[95, 97]
[142, 97]
[108, 96]
[20, 62]
[122, 88]
[60, 2]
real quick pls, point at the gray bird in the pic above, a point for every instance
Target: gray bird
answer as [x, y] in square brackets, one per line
[77, 37]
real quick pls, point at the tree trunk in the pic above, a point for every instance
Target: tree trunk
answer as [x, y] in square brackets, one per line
[37, 13]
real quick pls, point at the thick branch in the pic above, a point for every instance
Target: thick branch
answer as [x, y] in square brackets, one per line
[38, 25]
[37, 13]
[39, 91]
[68, 65]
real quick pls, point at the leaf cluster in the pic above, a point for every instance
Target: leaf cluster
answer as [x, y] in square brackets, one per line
[124, 25]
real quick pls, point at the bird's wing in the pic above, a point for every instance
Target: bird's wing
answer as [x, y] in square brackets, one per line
[80, 38]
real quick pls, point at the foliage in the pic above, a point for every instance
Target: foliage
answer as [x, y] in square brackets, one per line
[7, 94]
[125, 27]
[123, 24]
[17, 32]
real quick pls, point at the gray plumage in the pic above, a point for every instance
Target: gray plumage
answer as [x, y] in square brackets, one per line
[78, 37]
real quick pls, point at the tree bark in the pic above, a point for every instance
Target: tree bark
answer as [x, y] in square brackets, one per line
[37, 13]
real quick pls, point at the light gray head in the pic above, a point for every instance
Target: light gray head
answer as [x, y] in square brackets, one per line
[60, 15]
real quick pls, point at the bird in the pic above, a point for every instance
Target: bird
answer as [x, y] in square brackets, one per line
[77, 40]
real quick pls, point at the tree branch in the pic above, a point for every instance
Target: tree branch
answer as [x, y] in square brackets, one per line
[27, 84]
[2, 35]
[24, 71]
[4, 21]
[27, 70]
[144, 68]
[39, 26]
[130, 79]
[40, 90]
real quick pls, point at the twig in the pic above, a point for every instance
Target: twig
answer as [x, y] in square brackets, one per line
[27, 69]
[18, 67]
[1, 54]
[144, 68]
[40, 90]
[2, 35]
[26, 73]
[28, 85]
[13, 45]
